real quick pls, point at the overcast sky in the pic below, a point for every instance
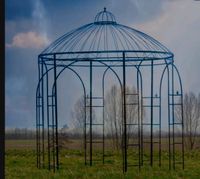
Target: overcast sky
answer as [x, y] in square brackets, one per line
[31, 25]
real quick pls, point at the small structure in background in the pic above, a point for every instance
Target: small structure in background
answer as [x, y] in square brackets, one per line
[107, 45]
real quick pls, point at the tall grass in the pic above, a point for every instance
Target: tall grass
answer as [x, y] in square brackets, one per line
[21, 163]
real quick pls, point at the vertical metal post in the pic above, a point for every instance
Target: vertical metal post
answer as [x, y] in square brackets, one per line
[53, 130]
[124, 106]
[103, 124]
[37, 150]
[42, 114]
[48, 136]
[56, 112]
[182, 130]
[169, 118]
[123, 135]
[151, 149]
[139, 135]
[39, 144]
[39, 122]
[160, 128]
[90, 113]
[142, 137]
[85, 130]
[38, 116]
[173, 116]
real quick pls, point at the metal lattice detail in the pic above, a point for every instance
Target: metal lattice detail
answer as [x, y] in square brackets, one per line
[109, 45]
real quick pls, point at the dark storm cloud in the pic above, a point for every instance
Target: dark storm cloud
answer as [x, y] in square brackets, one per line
[15, 10]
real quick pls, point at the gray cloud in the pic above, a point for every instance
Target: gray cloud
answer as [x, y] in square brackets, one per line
[178, 29]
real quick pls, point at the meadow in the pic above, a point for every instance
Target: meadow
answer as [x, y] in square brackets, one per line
[20, 162]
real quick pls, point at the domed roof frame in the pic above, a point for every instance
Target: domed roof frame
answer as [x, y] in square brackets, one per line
[107, 44]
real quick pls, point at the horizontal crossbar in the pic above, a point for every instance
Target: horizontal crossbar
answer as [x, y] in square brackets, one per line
[95, 106]
[94, 97]
[176, 104]
[175, 123]
[149, 106]
[95, 124]
[148, 97]
[149, 142]
[132, 104]
[150, 124]
[128, 94]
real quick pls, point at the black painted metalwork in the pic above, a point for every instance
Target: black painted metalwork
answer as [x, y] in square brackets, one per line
[108, 45]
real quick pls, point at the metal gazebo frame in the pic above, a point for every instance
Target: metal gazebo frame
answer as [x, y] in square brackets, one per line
[64, 54]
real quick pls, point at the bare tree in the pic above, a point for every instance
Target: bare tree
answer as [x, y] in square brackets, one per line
[78, 114]
[113, 113]
[191, 116]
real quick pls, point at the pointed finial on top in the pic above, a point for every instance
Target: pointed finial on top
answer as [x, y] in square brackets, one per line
[104, 9]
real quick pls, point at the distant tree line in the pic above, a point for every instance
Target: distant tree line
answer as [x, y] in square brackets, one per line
[20, 133]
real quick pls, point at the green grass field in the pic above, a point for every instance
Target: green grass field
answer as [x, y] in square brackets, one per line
[20, 162]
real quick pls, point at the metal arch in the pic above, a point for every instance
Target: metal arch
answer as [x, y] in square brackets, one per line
[151, 124]
[91, 105]
[183, 137]
[180, 81]
[110, 68]
[38, 122]
[53, 93]
[38, 108]
[40, 79]
[169, 115]
[38, 105]
[182, 116]
[68, 67]
[139, 122]
[160, 91]
[160, 109]
[139, 95]
[140, 114]
[47, 106]
[103, 82]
